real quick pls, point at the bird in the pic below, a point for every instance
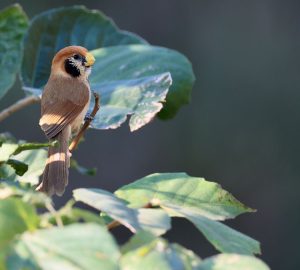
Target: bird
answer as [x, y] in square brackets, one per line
[64, 104]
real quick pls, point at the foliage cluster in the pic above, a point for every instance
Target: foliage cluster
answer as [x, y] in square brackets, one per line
[134, 79]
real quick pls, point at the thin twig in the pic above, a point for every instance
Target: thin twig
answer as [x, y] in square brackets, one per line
[86, 124]
[116, 223]
[24, 102]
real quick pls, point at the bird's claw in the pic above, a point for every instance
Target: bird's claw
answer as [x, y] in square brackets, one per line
[88, 117]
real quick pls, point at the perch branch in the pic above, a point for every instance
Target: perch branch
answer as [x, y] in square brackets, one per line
[116, 223]
[86, 124]
[24, 102]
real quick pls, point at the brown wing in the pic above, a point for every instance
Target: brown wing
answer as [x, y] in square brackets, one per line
[61, 103]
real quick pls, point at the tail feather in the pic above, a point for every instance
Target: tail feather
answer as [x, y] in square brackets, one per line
[56, 173]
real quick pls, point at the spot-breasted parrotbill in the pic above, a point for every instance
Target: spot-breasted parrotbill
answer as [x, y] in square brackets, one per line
[65, 101]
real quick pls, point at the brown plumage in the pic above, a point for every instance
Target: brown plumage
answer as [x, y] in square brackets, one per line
[64, 103]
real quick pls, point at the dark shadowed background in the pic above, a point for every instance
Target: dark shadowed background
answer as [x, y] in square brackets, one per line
[241, 128]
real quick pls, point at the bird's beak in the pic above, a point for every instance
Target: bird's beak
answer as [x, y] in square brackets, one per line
[90, 60]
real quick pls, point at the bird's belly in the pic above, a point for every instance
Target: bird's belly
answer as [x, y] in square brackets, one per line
[76, 124]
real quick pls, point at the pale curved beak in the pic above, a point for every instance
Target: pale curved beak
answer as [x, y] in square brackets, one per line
[90, 60]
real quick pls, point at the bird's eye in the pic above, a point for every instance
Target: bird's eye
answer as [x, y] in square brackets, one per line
[76, 56]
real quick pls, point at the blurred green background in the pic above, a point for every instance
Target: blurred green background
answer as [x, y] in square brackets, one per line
[241, 128]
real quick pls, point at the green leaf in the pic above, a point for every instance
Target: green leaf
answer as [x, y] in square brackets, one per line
[188, 257]
[179, 189]
[55, 29]
[16, 217]
[138, 240]
[13, 24]
[118, 69]
[73, 247]
[153, 220]
[141, 98]
[36, 160]
[233, 262]
[18, 158]
[222, 237]
[82, 170]
[159, 255]
[23, 190]
[19, 167]
[6, 150]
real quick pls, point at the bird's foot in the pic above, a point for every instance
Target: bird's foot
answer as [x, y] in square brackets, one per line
[88, 117]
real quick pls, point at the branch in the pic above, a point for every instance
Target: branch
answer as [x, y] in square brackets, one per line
[18, 106]
[86, 124]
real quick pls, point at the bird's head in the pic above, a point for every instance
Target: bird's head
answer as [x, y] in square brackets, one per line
[73, 61]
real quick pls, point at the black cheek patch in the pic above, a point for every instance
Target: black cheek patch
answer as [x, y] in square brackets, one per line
[71, 69]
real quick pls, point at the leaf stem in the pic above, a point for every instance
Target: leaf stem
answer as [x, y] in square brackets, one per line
[86, 124]
[56, 215]
[22, 103]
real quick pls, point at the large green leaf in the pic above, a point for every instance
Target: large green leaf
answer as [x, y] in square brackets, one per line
[54, 29]
[222, 237]
[232, 262]
[158, 254]
[120, 66]
[73, 247]
[13, 24]
[16, 217]
[142, 98]
[154, 220]
[179, 189]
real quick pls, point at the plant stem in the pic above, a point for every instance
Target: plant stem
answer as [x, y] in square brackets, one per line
[52, 210]
[86, 124]
[24, 102]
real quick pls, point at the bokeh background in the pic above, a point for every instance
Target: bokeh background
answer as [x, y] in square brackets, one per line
[241, 128]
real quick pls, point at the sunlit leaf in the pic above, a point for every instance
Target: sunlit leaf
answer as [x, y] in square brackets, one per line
[24, 191]
[138, 240]
[13, 24]
[153, 220]
[6, 150]
[232, 262]
[158, 254]
[73, 247]
[36, 160]
[179, 189]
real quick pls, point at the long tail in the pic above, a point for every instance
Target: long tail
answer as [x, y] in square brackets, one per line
[56, 173]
